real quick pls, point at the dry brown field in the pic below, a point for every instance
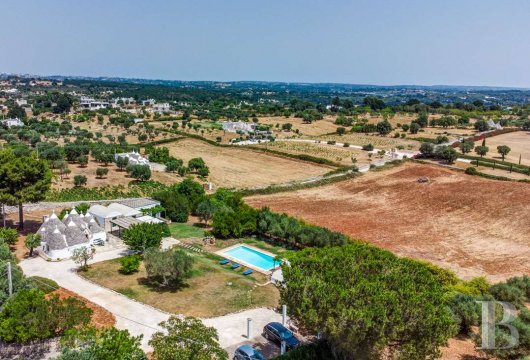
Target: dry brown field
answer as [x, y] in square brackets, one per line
[340, 155]
[316, 128]
[114, 176]
[519, 143]
[378, 141]
[468, 224]
[237, 167]
[208, 133]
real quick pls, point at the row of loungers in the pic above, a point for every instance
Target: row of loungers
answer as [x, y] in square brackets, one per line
[235, 266]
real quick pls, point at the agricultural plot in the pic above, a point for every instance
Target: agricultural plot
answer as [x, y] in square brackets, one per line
[468, 224]
[237, 167]
[319, 127]
[113, 177]
[131, 134]
[519, 143]
[379, 142]
[340, 155]
[207, 129]
[433, 132]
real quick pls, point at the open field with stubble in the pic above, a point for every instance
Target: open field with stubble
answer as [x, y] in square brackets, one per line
[340, 155]
[378, 141]
[237, 167]
[519, 143]
[470, 225]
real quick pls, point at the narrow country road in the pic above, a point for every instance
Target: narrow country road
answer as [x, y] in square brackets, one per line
[139, 318]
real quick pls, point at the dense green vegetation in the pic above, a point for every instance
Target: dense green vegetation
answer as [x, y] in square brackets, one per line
[381, 300]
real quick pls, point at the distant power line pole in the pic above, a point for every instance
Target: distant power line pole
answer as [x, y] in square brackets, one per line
[9, 278]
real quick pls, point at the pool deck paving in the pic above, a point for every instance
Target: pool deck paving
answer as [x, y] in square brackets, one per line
[139, 318]
[223, 253]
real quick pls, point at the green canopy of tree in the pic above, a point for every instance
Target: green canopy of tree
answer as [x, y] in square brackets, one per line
[167, 267]
[482, 150]
[31, 242]
[139, 172]
[503, 150]
[29, 315]
[105, 344]
[366, 301]
[23, 179]
[8, 236]
[186, 339]
[140, 237]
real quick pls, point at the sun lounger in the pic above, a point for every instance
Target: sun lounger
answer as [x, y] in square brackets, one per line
[235, 266]
[248, 272]
[224, 262]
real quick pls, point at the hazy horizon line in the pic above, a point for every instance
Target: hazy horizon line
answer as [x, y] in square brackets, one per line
[265, 81]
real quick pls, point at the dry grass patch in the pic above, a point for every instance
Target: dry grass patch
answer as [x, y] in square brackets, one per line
[318, 127]
[378, 141]
[206, 293]
[518, 141]
[237, 167]
[340, 155]
[114, 176]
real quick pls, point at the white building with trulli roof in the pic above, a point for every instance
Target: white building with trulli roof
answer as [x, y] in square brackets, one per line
[59, 238]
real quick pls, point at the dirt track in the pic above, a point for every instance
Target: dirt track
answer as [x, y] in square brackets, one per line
[468, 224]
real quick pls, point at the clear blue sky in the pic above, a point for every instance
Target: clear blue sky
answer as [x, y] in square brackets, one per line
[464, 42]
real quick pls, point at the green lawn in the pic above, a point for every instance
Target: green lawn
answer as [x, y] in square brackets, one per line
[213, 290]
[184, 231]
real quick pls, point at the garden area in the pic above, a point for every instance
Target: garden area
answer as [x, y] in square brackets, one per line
[185, 230]
[211, 290]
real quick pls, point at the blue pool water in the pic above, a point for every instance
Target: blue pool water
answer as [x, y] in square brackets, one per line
[253, 257]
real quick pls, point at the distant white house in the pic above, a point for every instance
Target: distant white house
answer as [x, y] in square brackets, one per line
[59, 238]
[161, 108]
[89, 103]
[493, 125]
[12, 122]
[133, 157]
[148, 102]
[124, 101]
[235, 126]
[21, 102]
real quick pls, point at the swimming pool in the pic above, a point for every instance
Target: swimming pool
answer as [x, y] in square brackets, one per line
[252, 257]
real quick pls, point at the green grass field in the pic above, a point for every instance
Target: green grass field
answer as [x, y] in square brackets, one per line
[184, 231]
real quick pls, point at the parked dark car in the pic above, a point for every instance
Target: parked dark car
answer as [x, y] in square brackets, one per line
[247, 352]
[277, 333]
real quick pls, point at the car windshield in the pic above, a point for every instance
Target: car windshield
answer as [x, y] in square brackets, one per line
[286, 334]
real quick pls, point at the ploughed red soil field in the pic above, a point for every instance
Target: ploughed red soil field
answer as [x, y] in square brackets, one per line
[468, 224]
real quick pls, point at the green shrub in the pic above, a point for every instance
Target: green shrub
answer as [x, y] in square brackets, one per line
[8, 236]
[130, 264]
[30, 315]
[466, 311]
[471, 171]
[508, 293]
[43, 284]
[368, 147]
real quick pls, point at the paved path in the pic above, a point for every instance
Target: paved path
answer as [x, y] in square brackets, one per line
[138, 318]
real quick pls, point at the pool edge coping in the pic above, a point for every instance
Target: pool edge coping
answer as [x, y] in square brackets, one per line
[244, 263]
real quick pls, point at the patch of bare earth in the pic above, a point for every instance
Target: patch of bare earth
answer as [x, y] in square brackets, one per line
[470, 225]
